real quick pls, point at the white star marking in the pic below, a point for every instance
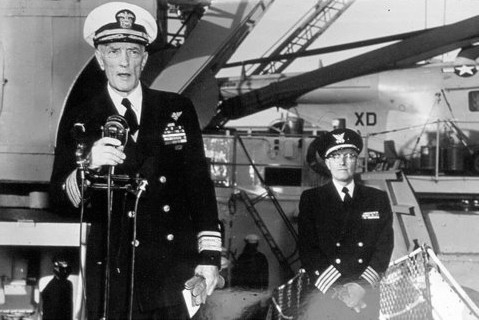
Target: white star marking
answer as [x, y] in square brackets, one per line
[465, 70]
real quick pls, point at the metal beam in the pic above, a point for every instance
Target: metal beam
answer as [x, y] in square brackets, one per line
[416, 48]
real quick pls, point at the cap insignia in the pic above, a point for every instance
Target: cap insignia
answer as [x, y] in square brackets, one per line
[125, 18]
[339, 137]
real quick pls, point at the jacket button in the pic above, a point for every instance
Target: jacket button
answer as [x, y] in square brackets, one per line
[170, 237]
[338, 244]
[135, 243]
[360, 260]
[162, 179]
[166, 208]
[360, 244]
[338, 261]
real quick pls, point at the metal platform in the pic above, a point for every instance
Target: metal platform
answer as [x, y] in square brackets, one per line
[26, 227]
[444, 186]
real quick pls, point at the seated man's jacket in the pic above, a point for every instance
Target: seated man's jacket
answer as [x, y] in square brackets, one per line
[338, 244]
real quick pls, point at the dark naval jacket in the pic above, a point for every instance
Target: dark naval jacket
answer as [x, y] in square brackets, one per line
[176, 210]
[339, 245]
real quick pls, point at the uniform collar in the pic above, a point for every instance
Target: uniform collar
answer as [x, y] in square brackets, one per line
[135, 97]
[339, 188]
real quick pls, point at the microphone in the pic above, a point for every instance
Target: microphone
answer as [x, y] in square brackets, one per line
[116, 127]
[78, 132]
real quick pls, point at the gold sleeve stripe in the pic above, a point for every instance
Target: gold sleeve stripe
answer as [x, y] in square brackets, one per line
[209, 240]
[72, 190]
[327, 278]
[371, 276]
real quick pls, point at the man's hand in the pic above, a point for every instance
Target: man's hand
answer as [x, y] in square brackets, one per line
[197, 287]
[211, 275]
[352, 295]
[106, 152]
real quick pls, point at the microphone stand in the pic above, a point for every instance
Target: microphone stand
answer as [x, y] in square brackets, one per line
[116, 127]
[124, 182]
[133, 214]
[81, 165]
[106, 291]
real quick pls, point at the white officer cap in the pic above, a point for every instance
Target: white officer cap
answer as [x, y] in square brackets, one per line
[119, 22]
[251, 238]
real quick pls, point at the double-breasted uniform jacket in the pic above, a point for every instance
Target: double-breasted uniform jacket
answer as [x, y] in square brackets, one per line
[177, 214]
[339, 245]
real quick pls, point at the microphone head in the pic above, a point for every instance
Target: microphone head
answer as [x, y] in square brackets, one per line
[116, 127]
[78, 132]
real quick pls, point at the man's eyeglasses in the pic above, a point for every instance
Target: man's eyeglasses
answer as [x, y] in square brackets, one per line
[349, 157]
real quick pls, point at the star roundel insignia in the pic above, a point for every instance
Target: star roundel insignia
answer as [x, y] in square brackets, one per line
[465, 71]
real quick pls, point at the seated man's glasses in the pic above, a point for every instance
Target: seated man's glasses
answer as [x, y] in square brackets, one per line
[349, 157]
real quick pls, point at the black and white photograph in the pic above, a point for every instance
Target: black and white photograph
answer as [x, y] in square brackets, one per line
[239, 160]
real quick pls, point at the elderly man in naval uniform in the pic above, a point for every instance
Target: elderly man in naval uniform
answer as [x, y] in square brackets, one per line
[178, 234]
[345, 235]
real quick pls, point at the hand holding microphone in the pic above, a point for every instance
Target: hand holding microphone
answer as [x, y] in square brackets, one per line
[108, 151]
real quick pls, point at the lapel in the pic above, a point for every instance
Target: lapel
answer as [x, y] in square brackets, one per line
[148, 124]
[95, 114]
[332, 212]
[355, 225]
[332, 192]
[155, 113]
[154, 108]
[105, 100]
[358, 196]
[330, 196]
[146, 118]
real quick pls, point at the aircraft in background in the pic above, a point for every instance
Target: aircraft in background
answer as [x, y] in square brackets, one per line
[394, 93]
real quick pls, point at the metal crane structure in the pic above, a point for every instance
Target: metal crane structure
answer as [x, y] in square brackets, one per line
[313, 24]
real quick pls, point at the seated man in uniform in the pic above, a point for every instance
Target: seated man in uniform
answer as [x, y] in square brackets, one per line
[345, 235]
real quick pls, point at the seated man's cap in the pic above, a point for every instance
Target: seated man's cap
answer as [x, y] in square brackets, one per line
[119, 22]
[251, 238]
[339, 139]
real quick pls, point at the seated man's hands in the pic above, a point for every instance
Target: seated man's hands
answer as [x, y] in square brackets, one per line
[352, 295]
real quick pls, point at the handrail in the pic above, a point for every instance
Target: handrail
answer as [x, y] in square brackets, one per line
[270, 193]
[445, 273]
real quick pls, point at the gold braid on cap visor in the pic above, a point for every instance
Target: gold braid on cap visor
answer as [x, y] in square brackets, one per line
[113, 35]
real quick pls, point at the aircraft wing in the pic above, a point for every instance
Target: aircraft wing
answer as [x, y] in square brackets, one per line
[416, 48]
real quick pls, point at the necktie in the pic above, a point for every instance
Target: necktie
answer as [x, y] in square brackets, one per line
[347, 212]
[347, 196]
[130, 116]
